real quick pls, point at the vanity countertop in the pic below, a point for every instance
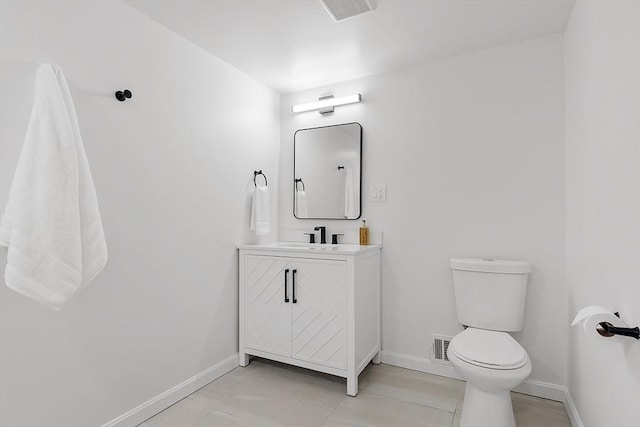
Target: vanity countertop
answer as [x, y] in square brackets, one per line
[339, 249]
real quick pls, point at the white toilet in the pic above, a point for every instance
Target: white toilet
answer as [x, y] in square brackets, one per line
[490, 298]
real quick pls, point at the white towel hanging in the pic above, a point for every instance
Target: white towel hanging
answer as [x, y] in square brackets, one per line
[52, 225]
[350, 205]
[302, 208]
[260, 222]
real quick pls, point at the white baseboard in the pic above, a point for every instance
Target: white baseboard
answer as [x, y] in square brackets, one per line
[419, 364]
[572, 411]
[531, 387]
[162, 401]
[542, 389]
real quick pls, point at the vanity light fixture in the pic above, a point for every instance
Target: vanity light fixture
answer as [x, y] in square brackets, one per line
[326, 104]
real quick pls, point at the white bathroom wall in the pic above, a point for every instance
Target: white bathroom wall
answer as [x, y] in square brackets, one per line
[471, 151]
[603, 204]
[172, 168]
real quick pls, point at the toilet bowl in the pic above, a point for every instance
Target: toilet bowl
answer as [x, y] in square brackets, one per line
[492, 363]
[490, 300]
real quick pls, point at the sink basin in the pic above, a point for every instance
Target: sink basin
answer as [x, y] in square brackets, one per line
[310, 246]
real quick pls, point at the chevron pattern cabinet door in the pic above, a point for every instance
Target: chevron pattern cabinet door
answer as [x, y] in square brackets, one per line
[268, 317]
[319, 316]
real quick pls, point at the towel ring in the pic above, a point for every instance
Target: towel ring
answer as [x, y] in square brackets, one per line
[299, 180]
[255, 174]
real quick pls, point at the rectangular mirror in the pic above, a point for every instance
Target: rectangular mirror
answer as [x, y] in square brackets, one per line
[327, 170]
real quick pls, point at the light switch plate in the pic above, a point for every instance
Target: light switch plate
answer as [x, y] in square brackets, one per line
[377, 193]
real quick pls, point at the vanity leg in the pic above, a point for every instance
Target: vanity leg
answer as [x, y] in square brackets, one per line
[376, 358]
[352, 385]
[243, 359]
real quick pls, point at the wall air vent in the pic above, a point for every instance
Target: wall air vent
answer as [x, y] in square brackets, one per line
[343, 9]
[439, 347]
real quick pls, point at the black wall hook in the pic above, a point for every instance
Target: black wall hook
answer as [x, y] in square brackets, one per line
[122, 95]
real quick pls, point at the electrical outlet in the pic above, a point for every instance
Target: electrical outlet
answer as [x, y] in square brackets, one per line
[377, 193]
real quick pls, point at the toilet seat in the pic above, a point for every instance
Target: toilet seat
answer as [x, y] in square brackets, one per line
[488, 349]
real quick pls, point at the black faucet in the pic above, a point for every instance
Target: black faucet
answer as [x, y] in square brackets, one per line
[323, 234]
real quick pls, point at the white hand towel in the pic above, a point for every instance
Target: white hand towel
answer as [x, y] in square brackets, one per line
[260, 222]
[350, 204]
[52, 226]
[302, 209]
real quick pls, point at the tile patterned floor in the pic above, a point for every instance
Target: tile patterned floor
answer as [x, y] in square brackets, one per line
[270, 394]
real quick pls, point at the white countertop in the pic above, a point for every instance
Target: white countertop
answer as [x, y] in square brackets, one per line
[339, 249]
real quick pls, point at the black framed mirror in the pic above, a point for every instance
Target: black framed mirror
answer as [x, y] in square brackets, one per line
[327, 172]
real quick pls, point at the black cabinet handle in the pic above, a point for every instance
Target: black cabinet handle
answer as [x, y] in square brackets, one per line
[286, 274]
[294, 286]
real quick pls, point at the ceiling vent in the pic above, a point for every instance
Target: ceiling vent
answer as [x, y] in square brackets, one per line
[343, 9]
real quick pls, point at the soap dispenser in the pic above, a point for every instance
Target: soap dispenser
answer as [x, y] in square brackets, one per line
[364, 233]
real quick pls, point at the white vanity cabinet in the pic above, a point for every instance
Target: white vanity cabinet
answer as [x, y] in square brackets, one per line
[312, 306]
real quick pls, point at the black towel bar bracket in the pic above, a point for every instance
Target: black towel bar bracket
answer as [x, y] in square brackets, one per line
[606, 329]
[299, 180]
[255, 174]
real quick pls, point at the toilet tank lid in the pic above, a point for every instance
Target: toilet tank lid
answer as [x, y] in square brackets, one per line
[488, 265]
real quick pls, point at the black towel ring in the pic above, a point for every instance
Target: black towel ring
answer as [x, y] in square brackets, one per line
[255, 174]
[299, 180]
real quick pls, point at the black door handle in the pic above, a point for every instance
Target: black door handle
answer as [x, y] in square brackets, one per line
[286, 274]
[294, 286]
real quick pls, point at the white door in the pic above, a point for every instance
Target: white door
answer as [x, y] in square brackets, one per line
[319, 311]
[268, 315]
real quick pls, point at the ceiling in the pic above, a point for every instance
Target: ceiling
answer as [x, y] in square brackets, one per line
[292, 45]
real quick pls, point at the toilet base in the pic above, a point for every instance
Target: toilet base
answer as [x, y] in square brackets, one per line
[483, 408]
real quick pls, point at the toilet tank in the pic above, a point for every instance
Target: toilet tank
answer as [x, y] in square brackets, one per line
[490, 293]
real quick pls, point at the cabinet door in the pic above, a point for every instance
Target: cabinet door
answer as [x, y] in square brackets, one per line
[319, 314]
[268, 316]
